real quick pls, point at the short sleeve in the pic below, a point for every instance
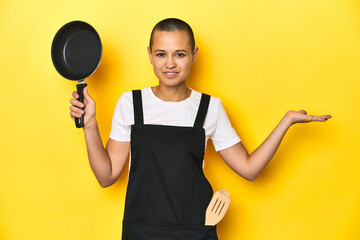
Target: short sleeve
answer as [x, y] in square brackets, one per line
[122, 118]
[225, 135]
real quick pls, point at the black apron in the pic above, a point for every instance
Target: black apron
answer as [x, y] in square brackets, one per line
[167, 193]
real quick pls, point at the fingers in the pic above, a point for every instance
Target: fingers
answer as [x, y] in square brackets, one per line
[76, 112]
[75, 94]
[311, 118]
[86, 94]
[325, 117]
[78, 109]
[77, 103]
[301, 116]
[315, 118]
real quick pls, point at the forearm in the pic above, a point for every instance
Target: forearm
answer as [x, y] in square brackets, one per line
[98, 157]
[250, 166]
[264, 153]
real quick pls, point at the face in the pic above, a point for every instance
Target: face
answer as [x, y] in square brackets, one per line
[171, 57]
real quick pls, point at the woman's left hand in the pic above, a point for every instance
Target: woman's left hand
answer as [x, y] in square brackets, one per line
[302, 117]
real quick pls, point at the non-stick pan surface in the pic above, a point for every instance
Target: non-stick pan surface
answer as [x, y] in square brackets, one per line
[76, 52]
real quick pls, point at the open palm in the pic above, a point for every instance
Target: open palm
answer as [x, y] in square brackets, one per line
[302, 117]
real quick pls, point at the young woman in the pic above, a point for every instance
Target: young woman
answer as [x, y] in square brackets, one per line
[166, 127]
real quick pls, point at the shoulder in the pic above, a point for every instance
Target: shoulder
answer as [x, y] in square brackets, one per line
[212, 98]
[214, 103]
[126, 97]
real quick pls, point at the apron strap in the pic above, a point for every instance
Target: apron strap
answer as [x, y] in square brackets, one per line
[201, 114]
[138, 108]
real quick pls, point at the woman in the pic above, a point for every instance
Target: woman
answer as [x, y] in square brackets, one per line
[167, 127]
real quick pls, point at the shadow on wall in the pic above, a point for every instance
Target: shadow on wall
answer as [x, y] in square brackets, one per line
[101, 88]
[201, 66]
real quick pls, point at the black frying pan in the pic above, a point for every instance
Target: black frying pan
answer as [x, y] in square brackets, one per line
[76, 52]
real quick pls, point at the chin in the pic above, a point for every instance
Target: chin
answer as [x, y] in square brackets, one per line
[171, 83]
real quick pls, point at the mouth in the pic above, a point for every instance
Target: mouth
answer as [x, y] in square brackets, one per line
[170, 74]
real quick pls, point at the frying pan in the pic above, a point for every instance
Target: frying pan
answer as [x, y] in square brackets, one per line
[76, 52]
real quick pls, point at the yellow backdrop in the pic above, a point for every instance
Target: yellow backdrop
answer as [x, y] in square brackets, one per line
[261, 58]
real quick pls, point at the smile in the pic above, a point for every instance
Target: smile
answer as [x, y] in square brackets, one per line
[170, 74]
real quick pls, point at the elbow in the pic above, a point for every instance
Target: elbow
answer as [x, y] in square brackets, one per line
[105, 184]
[248, 176]
[252, 173]
[251, 177]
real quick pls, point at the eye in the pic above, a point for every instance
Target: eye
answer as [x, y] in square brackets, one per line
[180, 55]
[160, 54]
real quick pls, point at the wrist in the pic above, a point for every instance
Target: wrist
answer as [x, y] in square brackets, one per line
[287, 120]
[91, 124]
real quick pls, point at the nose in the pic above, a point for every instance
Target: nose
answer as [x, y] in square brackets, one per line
[170, 62]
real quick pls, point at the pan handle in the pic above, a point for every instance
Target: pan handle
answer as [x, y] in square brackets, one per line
[79, 122]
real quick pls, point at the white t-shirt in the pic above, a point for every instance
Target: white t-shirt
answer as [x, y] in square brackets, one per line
[156, 111]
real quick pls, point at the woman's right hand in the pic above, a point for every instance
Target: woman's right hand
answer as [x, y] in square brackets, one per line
[89, 108]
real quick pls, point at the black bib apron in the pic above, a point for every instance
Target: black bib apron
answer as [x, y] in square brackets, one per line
[167, 193]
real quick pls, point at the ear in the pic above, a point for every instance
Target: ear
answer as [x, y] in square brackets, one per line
[194, 54]
[150, 55]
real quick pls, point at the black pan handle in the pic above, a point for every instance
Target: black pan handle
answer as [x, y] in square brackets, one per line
[79, 122]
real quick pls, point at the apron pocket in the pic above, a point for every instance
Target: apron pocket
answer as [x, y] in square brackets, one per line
[140, 231]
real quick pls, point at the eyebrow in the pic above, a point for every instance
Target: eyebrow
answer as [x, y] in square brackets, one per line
[179, 50]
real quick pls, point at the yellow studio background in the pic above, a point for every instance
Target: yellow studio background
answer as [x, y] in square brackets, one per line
[261, 58]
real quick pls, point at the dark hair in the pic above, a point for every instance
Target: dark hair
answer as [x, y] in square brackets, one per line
[174, 24]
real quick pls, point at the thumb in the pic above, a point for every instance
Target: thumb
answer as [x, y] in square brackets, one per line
[302, 111]
[87, 95]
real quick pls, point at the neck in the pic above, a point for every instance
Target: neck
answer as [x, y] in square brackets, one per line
[172, 94]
